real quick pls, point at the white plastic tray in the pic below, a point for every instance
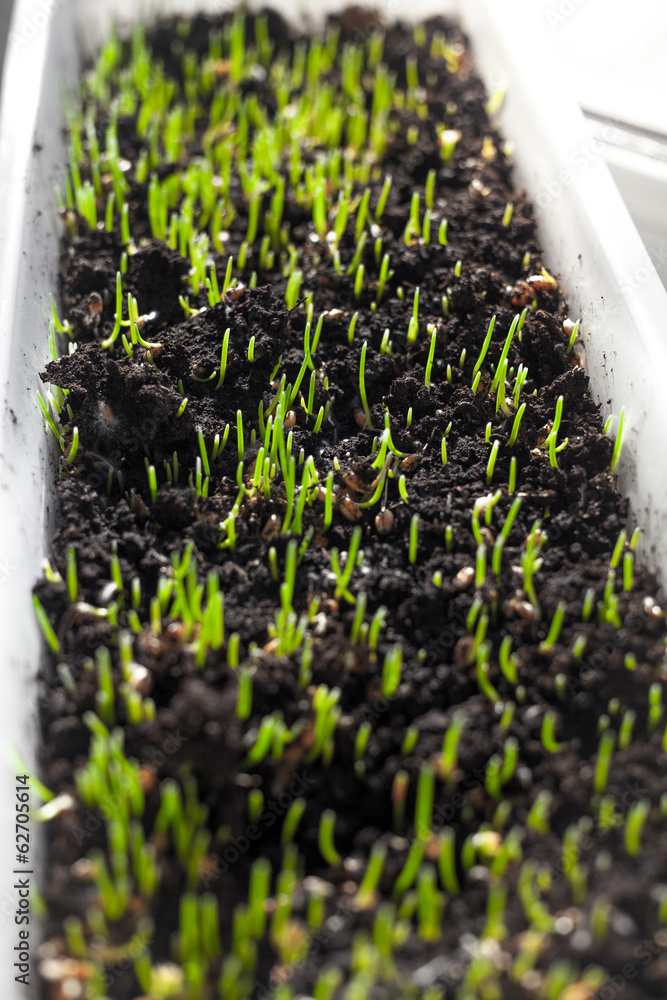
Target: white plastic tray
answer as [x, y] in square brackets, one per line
[586, 232]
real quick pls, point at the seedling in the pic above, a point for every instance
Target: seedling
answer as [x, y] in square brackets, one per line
[343, 577]
[326, 838]
[485, 347]
[634, 824]
[498, 771]
[551, 438]
[491, 464]
[516, 425]
[366, 892]
[431, 356]
[538, 818]
[618, 443]
[385, 275]
[384, 194]
[548, 736]
[554, 631]
[362, 386]
[605, 754]
[47, 629]
[391, 671]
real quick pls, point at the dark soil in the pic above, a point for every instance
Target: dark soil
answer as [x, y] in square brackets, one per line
[126, 410]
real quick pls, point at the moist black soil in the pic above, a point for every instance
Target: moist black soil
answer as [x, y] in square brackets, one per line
[126, 409]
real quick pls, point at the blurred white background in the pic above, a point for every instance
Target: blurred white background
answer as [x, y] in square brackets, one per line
[616, 56]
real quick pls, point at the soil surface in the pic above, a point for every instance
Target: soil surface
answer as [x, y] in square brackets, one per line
[595, 905]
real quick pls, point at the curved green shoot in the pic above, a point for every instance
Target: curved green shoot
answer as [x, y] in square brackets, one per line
[325, 838]
[548, 735]
[343, 577]
[69, 458]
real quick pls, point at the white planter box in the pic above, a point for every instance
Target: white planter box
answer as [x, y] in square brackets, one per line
[586, 232]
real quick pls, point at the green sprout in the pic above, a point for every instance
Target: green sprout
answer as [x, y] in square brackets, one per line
[618, 443]
[385, 275]
[485, 347]
[531, 562]
[391, 671]
[501, 401]
[291, 822]
[556, 624]
[538, 817]
[293, 289]
[516, 425]
[362, 386]
[512, 476]
[368, 885]
[429, 363]
[424, 803]
[410, 869]
[413, 227]
[553, 434]
[244, 701]
[382, 201]
[605, 754]
[491, 464]
[548, 735]
[430, 188]
[325, 838]
[223, 360]
[71, 575]
[634, 824]
[71, 455]
[343, 577]
[45, 625]
[447, 861]
[500, 771]
[414, 539]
